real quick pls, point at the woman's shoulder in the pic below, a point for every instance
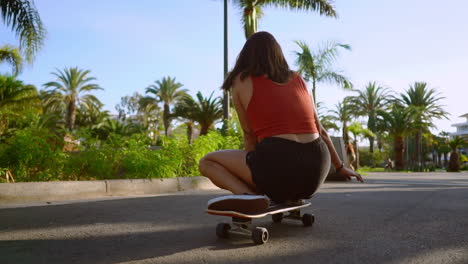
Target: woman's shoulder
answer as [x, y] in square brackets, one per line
[242, 80]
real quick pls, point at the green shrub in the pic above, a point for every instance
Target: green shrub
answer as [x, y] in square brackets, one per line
[33, 155]
[375, 159]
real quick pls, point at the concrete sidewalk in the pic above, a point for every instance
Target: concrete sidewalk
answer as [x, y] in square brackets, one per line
[27, 192]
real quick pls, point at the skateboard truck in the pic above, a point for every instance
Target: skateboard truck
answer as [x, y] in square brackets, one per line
[243, 225]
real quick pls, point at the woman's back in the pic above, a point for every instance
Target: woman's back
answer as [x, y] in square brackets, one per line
[274, 109]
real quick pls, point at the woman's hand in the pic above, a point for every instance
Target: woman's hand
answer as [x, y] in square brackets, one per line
[349, 173]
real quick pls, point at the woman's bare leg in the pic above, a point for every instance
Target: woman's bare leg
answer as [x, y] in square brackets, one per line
[228, 170]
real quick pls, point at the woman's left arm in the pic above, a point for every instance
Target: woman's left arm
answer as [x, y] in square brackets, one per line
[335, 159]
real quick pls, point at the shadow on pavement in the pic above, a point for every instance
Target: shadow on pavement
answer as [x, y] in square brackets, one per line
[353, 226]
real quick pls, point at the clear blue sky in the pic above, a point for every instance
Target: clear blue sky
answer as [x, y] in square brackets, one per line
[128, 45]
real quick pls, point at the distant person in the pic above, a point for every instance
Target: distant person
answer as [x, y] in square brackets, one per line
[287, 151]
[351, 154]
[390, 164]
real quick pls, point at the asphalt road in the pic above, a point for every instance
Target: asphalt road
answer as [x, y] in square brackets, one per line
[392, 218]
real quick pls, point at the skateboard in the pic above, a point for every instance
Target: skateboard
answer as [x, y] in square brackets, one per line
[242, 223]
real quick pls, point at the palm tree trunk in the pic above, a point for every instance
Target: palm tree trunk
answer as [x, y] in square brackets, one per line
[71, 115]
[371, 126]
[250, 19]
[204, 130]
[454, 164]
[313, 89]
[166, 118]
[189, 132]
[356, 149]
[445, 160]
[398, 147]
[345, 133]
[419, 150]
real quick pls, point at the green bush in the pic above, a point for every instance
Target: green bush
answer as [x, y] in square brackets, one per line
[202, 145]
[372, 160]
[33, 155]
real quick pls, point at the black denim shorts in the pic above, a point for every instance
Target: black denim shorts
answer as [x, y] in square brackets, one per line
[287, 170]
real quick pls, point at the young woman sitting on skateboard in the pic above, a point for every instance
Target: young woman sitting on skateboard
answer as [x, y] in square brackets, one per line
[287, 152]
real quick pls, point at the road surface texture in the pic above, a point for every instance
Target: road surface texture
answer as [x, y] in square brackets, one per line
[392, 218]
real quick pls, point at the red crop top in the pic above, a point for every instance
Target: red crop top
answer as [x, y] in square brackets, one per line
[276, 109]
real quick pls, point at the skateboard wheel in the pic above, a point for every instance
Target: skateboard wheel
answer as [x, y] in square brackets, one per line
[308, 219]
[277, 218]
[222, 230]
[260, 235]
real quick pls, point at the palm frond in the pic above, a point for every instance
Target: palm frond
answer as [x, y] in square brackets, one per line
[323, 7]
[12, 56]
[24, 20]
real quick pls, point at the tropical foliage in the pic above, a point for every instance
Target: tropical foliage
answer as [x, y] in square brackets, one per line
[317, 66]
[424, 103]
[395, 123]
[252, 10]
[167, 91]
[367, 102]
[11, 55]
[67, 93]
[22, 17]
[455, 143]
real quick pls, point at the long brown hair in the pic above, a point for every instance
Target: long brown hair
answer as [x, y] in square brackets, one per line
[261, 55]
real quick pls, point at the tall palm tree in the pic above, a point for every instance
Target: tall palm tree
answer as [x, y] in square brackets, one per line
[424, 103]
[252, 10]
[395, 121]
[343, 114]
[22, 17]
[358, 131]
[67, 92]
[186, 110]
[317, 66]
[169, 92]
[372, 98]
[205, 110]
[12, 56]
[455, 143]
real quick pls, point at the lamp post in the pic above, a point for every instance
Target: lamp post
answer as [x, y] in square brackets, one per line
[226, 93]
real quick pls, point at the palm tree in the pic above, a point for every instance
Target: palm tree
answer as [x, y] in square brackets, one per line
[252, 10]
[395, 121]
[67, 92]
[15, 97]
[205, 111]
[424, 103]
[327, 121]
[358, 130]
[454, 163]
[12, 56]
[317, 66]
[186, 110]
[90, 114]
[343, 114]
[167, 91]
[367, 102]
[24, 20]
[445, 149]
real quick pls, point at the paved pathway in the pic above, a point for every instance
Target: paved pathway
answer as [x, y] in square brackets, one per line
[392, 218]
